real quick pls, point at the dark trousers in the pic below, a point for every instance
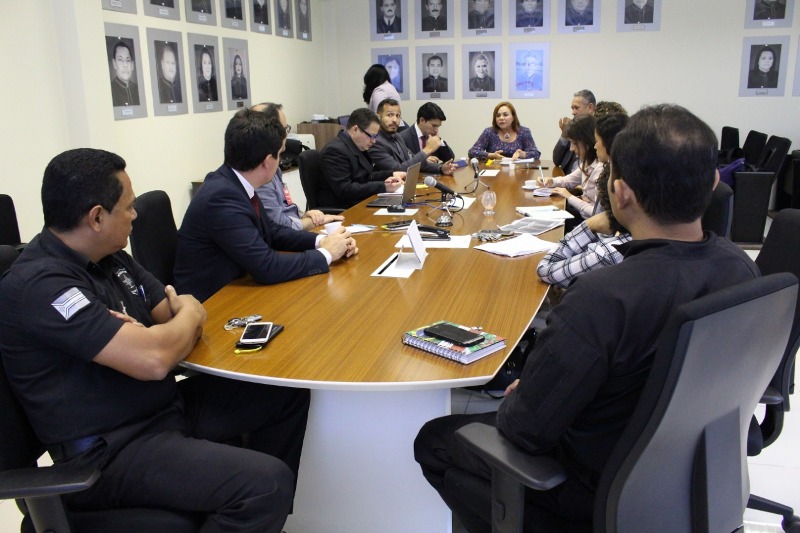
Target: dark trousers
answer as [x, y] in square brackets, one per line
[175, 460]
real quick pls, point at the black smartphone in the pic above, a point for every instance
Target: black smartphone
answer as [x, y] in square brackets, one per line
[454, 334]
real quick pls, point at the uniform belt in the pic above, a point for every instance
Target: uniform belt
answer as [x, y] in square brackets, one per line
[68, 450]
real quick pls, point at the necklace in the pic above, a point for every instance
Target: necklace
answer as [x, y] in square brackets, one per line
[506, 136]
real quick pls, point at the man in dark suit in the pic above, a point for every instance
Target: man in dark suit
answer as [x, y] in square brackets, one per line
[583, 103]
[348, 172]
[233, 9]
[639, 12]
[435, 82]
[435, 18]
[390, 152]
[224, 234]
[388, 21]
[424, 136]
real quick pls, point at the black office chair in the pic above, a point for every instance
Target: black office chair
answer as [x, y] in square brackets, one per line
[773, 156]
[154, 238]
[788, 188]
[9, 226]
[310, 177]
[729, 140]
[780, 253]
[680, 464]
[8, 254]
[717, 217]
[753, 147]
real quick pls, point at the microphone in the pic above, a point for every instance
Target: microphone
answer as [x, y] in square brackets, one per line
[474, 162]
[430, 181]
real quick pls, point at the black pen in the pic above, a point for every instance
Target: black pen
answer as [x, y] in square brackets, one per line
[387, 265]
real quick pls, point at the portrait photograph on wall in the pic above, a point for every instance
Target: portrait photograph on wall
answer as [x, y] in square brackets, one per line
[389, 19]
[165, 9]
[796, 85]
[482, 71]
[434, 18]
[768, 13]
[124, 69]
[302, 9]
[200, 12]
[529, 16]
[167, 68]
[529, 70]
[203, 69]
[764, 65]
[260, 16]
[237, 72]
[396, 62]
[578, 16]
[435, 72]
[232, 14]
[123, 6]
[482, 17]
[283, 18]
[638, 15]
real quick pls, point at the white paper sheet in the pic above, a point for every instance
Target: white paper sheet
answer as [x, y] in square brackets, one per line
[525, 244]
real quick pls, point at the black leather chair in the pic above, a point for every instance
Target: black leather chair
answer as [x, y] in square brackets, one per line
[788, 186]
[9, 226]
[753, 147]
[780, 253]
[719, 214]
[680, 464]
[729, 140]
[310, 176]
[8, 254]
[773, 157]
[154, 238]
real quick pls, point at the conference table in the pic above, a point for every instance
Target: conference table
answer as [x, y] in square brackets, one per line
[370, 393]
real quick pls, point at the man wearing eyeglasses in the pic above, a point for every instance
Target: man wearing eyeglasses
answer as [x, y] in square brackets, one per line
[349, 175]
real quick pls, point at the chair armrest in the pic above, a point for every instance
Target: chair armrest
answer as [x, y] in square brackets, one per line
[535, 471]
[771, 396]
[45, 481]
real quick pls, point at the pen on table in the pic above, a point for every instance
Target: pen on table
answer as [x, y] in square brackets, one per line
[481, 172]
[387, 265]
[541, 174]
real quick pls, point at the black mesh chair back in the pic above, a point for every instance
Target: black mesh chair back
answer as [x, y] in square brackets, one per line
[9, 227]
[154, 238]
[719, 214]
[310, 163]
[8, 254]
[753, 147]
[773, 157]
[729, 139]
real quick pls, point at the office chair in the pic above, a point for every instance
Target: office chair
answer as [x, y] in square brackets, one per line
[729, 140]
[773, 156]
[788, 188]
[718, 215]
[154, 237]
[8, 254]
[310, 176]
[680, 464]
[780, 253]
[9, 227]
[753, 147]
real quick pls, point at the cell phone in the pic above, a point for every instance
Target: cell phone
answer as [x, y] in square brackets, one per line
[396, 209]
[454, 334]
[256, 333]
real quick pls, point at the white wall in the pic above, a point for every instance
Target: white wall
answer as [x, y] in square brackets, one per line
[56, 87]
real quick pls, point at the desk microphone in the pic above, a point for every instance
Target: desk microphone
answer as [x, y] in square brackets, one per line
[430, 181]
[474, 162]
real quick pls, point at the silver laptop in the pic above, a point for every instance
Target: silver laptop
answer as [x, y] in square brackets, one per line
[409, 190]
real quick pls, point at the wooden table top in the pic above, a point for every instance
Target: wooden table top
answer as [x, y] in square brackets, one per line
[343, 330]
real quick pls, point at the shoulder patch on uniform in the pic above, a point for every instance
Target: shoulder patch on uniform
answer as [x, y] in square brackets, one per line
[70, 302]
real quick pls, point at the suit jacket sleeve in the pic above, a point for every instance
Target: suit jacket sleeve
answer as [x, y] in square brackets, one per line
[340, 167]
[561, 153]
[382, 154]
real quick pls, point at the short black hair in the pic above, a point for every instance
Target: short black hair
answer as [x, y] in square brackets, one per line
[363, 118]
[271, 109]
[668, 157]
[250, 137]
[434, 56]
[77, 180]
[387, 101]
[120, 44]
[430, 111]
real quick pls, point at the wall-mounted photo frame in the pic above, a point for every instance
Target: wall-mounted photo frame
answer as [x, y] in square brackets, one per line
[529, 17]
[204, 70]
[302, 9]
[579, 16]
[482, 71]
[200, 12]
[232, 14]
[434, 19]
[396, 62]
[237, 72]
[123, 6]
[124, 53]
[768, 13]
[167, 68]
[529, 70]
[764, 65]
[436, 69]
[260, 17]
[388, 20]
[283, 19]
[638, 15]
[163, 9]
[482, 18]
[796, 86]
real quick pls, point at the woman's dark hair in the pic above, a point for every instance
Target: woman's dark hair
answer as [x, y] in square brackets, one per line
[581, 131]
[769, 49]
[239, 59]
[376, 75]
[514, 122]
[608, 126]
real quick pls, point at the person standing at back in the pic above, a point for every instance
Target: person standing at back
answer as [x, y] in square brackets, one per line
[583, 103]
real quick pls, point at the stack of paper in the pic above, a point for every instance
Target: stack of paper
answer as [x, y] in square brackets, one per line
[544, 212]
[532, 225]
[525, 244]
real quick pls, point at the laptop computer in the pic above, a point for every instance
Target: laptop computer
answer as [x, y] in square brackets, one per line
[409, 190]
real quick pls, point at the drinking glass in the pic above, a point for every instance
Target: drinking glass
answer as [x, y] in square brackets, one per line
[489, 200]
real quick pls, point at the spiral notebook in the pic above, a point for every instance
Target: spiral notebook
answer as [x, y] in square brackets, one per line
[463, 354]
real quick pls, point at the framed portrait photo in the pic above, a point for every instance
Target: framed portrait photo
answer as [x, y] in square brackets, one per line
[200, 12]
[396, 62]
[165, 9]
[204, 71]
[167, 68]
[123, 6]
[237, 72]
[578, 16]
[302, 19]
[232, 14]
[638, 15]
[529, 17]
[482, 71]
[764, 66]
[435, 72]
[529, 70]
[482, 17]
[283, 19]
[260, 18]
[434, 18]
[388, 20]
[768, 13]
[123, 51]
[796, 86]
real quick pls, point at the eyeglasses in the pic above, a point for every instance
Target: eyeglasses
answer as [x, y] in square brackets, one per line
[241, 322]
[289, 128]
[371, 137]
